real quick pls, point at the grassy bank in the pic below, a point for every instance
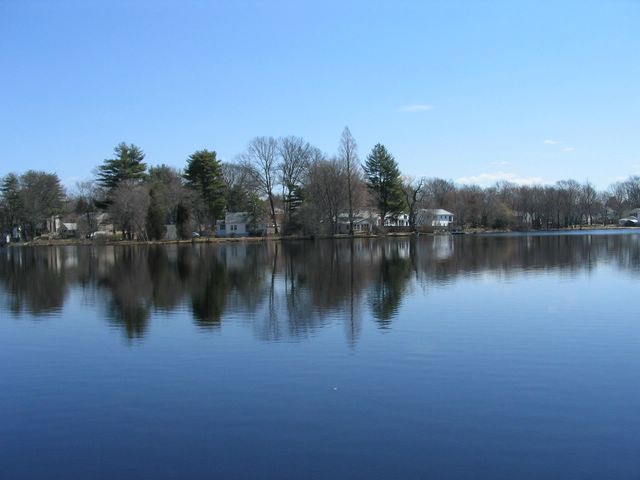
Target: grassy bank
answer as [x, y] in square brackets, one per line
[201, 240]
[41, 241]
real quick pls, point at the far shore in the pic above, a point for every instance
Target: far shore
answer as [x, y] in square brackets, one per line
[42, 241]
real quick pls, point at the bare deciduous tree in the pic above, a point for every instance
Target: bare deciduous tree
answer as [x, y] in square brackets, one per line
[327, 190]
[295, 155]
[414, 193]
[260, 160]
[632, 191]
[439, 192]
[130, 203]
[587, 200]
[617, 196]
[86, 196]
[348, 154]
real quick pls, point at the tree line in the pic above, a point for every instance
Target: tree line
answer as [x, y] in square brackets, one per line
[294, 188]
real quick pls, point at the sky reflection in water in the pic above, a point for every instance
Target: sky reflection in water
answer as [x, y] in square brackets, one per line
[445, 357]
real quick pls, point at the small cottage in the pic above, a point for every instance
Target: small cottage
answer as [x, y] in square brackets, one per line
[235, 224]
[68, 230]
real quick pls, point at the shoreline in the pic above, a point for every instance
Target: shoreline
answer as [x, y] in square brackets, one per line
[220, 240]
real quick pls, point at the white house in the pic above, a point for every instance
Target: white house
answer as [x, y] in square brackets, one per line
[434, 217]
[399, 220]
[632, 219]
[363, 222]
[235, 224]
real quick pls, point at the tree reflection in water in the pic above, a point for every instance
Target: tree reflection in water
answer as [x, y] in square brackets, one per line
[289, 289]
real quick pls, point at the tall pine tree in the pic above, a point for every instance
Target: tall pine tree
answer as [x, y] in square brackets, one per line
[204, 175]
[11, 206]
[126, 164]
[383, 180]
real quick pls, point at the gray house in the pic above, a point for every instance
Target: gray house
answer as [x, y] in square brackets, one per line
[235, 224]
[68, 230]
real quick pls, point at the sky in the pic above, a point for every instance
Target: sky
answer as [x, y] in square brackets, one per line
[473, 91]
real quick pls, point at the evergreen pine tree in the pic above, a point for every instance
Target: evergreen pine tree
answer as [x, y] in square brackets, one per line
[204, 175]
[183, 222]
[127, 164]
[156, 219]
[383, 180]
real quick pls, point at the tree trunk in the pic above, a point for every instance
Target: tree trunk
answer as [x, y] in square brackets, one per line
[273, 213]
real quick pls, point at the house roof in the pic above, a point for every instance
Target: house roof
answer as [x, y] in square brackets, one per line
[436, 211]
[236, 217]
[70, 226]
[359, 216]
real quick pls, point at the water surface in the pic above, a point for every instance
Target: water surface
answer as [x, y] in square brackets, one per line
[439, 357]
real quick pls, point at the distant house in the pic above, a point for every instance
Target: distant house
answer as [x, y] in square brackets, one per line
[628, 222]
[104, 223]
[363, 222]
[170, 233]
[56, 225]
[632, 219]
[53, 224]
[67, 230]
[635, 213]
[238, 224]
[434, 217]
[397, 220]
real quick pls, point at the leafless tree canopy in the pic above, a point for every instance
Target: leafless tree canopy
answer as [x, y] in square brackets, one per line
[237, 176]
[348, 155]
[130, 203]
[327, 191]
[260, 160]
[414, 191]
[295, 155]
[318, 193]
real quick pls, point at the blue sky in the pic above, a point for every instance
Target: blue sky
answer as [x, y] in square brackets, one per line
[466, 90]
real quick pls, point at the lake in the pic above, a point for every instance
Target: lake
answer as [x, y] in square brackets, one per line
[464, 357]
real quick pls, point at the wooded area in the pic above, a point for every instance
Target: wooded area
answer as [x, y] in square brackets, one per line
[291, 187]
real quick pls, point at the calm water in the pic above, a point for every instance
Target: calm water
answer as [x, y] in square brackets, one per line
[505, 357]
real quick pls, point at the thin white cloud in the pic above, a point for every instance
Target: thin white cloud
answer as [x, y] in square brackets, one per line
[487, 179]
[499, 163]
[568, 149]
[550, 142]
[417, 107]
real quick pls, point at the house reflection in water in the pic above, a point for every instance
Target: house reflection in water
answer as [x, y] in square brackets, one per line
[283, 289]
